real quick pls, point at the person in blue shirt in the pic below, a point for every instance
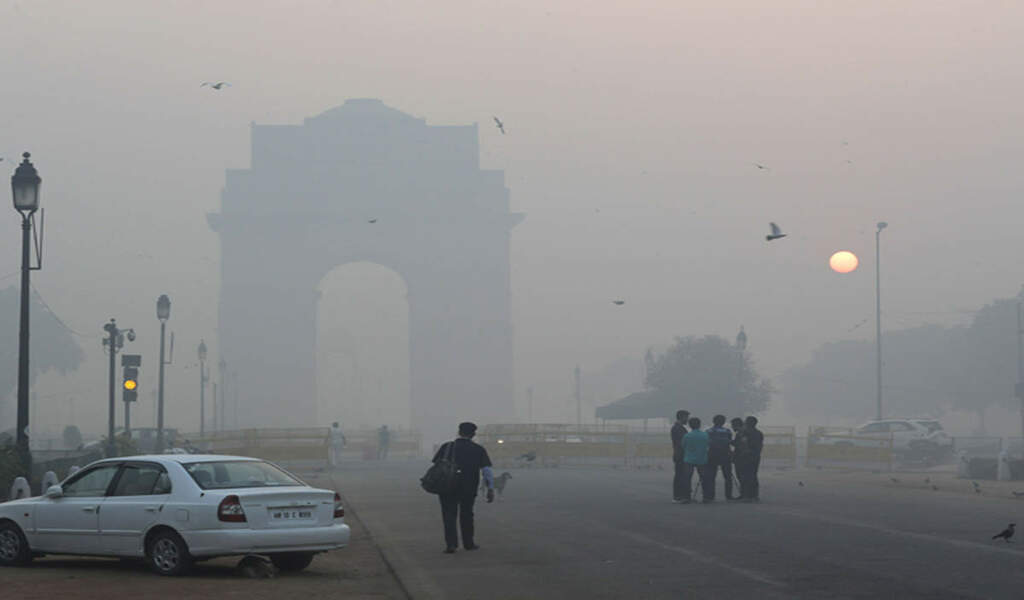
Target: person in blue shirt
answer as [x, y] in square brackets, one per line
[695, 458]
[719, 456]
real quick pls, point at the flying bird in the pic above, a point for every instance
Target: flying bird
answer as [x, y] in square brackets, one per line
[775, 234]
[372, 221]
[618, 302]
[215, 85]
[761, 167]
[500, 125]
[1005, 534]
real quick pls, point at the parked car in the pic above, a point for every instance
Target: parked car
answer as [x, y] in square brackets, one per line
[923, 436]
[174, 509]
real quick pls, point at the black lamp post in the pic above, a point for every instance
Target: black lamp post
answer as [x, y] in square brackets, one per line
[741, 347]
[25, 189]
[202, 387]
[163, 312]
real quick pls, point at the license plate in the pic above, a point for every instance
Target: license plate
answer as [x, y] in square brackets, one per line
[291, 515]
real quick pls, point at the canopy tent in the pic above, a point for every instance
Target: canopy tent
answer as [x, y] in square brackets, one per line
[651, 404]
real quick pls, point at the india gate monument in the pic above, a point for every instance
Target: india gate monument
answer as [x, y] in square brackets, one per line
[439, 221]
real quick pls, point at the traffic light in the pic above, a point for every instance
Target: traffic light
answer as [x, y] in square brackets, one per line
[131, 363]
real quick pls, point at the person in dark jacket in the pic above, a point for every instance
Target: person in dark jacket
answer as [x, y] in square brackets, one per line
[471, 459]
[719, 456]
[678, 431]
[739, 449]
[750, 461]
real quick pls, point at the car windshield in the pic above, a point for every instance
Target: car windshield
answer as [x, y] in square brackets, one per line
[213, 475]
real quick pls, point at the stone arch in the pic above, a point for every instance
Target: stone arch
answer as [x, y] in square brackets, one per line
[365, 182]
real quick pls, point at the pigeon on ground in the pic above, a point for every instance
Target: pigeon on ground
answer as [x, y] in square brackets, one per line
[975, 484]
[800, 483]
[935, 488]
[927, 479]
[618, 302]
[499, 125]
[775, 234]
[529, 456]
[256, 567]
[894, 480]
[1005, 534]
[215, 85]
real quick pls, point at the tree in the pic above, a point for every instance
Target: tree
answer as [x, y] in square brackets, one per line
[839, 381]
[710, 376]
[52, 346]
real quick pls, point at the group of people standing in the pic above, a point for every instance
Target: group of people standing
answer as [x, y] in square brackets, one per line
[714, 449]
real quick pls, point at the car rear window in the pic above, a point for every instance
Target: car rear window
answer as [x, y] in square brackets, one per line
[215, 475]
[932, 426]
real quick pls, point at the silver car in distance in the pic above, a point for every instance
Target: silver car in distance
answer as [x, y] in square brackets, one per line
[174, 509]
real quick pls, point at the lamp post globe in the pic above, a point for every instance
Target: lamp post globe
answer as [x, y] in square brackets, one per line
[163, 307]
[202, 351]
[25, 186]
[741, 339]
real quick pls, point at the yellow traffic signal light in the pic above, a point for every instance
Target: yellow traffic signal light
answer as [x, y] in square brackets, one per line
[130, 384]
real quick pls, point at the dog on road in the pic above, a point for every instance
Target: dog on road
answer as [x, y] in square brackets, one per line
[499, 483]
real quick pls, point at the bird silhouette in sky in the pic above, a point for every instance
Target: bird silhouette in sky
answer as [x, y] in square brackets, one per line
[215, 85]
[761, 167]
[372, 221]
[500, 125]
[775, 234]
[618, 302]
[1005, 534]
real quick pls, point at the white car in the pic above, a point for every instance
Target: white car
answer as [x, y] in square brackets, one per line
[173, 509]
[921, 435]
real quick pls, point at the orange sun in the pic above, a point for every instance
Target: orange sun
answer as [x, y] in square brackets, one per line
[843, 261]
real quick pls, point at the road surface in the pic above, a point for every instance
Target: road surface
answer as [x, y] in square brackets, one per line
[607, 533]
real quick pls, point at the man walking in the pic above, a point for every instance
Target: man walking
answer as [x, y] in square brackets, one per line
[755, 443]
[739, 451]
[719, 439]
[471, 459]
[695, 458]
[677, 433]
[335, 444]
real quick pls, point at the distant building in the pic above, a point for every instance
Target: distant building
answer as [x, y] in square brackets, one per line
[305, 207]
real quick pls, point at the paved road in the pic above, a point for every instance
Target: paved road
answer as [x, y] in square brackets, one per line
[574, 533]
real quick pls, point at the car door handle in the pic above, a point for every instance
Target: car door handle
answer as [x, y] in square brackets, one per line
[89, 508]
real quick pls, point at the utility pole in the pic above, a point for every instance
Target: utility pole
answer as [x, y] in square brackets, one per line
[529, 404]
[878, 319]
[215, 406]
[222, 375]
[163, 312]
[579, 400]
[1020, 366]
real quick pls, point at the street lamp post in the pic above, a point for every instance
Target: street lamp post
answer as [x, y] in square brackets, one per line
[163, 312]
[878, 319]
[202, 387]
[25, 190]
[218, 412]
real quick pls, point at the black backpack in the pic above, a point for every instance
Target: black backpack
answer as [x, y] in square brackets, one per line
[443, 476]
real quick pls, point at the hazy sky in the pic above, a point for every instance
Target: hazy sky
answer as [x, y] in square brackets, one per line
[632, 129]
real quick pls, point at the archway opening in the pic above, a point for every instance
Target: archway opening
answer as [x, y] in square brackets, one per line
[363, 347]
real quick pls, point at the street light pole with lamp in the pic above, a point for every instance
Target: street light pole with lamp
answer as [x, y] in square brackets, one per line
[163, 312]
[202, 387]
[114, 342]
[25, 190]
[878, 319]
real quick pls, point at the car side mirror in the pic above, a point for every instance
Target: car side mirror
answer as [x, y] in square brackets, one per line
[54, 491]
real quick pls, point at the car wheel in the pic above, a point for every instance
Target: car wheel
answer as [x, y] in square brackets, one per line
[14, 550]
[292, 561]
[167, 554]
